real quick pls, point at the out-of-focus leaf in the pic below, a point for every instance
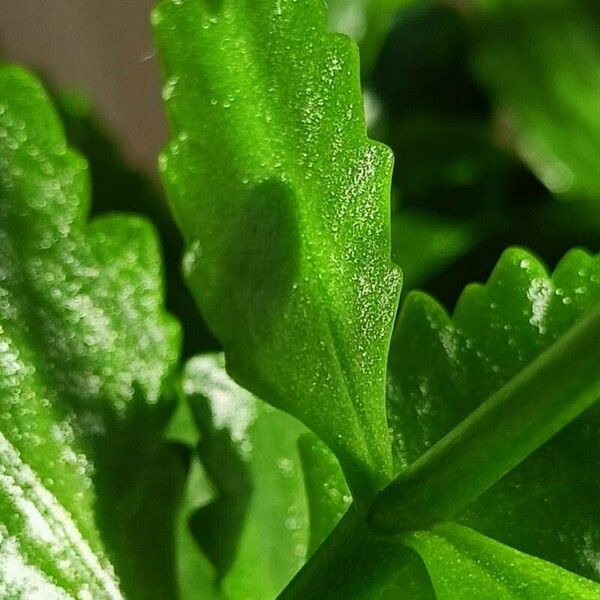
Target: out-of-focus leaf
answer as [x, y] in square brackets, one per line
[196, 576]
[327, 493]
[116, 186]
[464, 565]
[195, 573]
[540, 61]
[284, 203]
[442, 369]
[255, 530]
[85, 355]
[453, 167]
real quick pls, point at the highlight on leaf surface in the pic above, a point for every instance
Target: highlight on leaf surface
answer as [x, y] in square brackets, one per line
[442, 368]
[284, 204]
[86, 351]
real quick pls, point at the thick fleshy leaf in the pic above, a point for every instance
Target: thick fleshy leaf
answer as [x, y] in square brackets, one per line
[85, 354]
[464, 564]
[442, 369]
[541, 60]
[255, 529]
[284, 203]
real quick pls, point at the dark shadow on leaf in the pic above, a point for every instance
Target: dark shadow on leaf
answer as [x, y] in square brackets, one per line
[260, 262]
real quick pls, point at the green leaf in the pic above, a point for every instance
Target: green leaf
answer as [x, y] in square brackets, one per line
[464, 564]
[118, 186]
[504, 430]
[442, 369]
[540, 62]
[255, 530]
[196, 575]
[85, 355]
[283, 202]
[327, 493]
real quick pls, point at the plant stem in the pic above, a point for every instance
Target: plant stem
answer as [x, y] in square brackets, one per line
[546, 396]
[353, 562]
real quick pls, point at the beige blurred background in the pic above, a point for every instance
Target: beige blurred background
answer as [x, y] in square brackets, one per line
[103, 47]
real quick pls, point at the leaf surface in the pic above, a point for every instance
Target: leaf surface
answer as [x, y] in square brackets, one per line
[464, 564]
[442, 369]
[85, 355]
[255, 530]
[284, 204]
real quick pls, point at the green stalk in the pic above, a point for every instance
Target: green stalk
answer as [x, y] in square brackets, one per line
[546, 396]
[352, 562]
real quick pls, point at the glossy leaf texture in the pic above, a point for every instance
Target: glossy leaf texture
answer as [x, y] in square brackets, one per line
[464, 564]
[442, 368]
[284, 203]
[540, 61]
[86, 352]
[255, 529]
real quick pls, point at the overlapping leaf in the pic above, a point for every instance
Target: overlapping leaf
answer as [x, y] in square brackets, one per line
[85, 354]
[283, 202]
[255, 529]
[442, 368]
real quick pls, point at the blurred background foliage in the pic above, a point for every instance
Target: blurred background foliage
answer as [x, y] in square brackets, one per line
[492, 108]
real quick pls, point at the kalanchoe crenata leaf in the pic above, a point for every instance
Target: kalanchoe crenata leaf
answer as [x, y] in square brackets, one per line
[442, 369]
[283, 202]
[85, 355]
[255, 529]
[464, 564]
